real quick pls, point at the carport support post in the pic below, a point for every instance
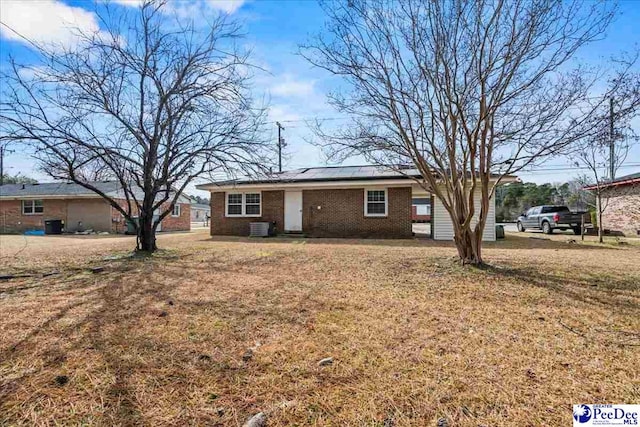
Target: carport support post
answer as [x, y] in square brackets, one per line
[432, 219]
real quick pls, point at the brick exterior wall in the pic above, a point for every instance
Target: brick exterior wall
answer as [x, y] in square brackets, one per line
[169, 223]
[13, 221]
[416, 217]
[178, 223]
[272, 211]
[341, 214]
[622, 212]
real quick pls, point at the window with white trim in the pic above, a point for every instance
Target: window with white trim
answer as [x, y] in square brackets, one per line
[32, 207]
[176, 210]
[252, 204]
[234, 204]
[375, 203]
[244, 204]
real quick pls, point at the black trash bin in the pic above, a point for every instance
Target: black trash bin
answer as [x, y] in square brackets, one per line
[53, 226]
[131, 226]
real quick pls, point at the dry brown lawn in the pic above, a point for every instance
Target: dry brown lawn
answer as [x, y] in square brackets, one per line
[415, 338]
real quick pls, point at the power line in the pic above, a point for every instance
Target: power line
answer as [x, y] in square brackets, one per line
[310, 119]
[591, 98]
[571, 168]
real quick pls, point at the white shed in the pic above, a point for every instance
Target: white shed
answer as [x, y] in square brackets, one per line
[442, 228]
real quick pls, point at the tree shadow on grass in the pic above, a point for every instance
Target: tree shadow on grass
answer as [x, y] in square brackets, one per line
[619, 293]
[111, 326]
[511, 242]
[116, 307]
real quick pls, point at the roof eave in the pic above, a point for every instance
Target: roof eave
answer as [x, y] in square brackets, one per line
[613, 184]
[336, 183]
[49, 196]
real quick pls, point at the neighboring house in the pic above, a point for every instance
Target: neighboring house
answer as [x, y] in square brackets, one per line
[421, 209]
[622, 205]
[26, 206]
[351, 201]
[199, 212]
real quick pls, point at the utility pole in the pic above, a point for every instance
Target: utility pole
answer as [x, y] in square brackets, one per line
[280, 145]
[612, 142]
[3, 150]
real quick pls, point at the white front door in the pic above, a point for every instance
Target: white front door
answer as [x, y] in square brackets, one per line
[293, 211]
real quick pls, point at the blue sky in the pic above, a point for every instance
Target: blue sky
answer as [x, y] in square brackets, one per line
[296, 91]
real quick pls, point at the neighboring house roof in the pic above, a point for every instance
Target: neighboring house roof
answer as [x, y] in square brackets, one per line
[66, 190]
[630, 179]
[325, 174]
[200, 206]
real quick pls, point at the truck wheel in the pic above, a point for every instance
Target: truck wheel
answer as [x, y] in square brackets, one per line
[576, 231]
[520, 227]
[546, 228]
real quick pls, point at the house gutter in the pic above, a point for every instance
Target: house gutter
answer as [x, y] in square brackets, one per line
[318, 184]
[614, 184]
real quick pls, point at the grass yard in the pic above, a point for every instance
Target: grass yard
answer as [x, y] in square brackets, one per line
[163, 341]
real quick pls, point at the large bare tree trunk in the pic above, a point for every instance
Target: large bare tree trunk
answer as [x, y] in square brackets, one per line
[469, 245]
[146, 232]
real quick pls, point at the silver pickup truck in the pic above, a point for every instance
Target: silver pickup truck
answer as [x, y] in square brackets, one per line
[548, 218]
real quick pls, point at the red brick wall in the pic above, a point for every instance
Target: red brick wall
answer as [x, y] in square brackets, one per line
[622, 212]
[416, 217]
[342, 214]
[169, 223]
[181, 223]
[13, 221]
[272, 211]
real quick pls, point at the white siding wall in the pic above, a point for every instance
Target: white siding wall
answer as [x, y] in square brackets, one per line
[443, 229]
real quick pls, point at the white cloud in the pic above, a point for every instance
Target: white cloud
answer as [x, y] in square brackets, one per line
[48, 22]
[192, 8]
[283, 112]
[290, 87]
[132, 3]
[228, 6]
[32, 71]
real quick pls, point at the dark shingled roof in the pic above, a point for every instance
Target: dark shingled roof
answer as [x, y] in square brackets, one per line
[55, 189]
[328, 173]
[627, 177]
[323, 174]
[633, 178]
[345, 173]
[66, 190]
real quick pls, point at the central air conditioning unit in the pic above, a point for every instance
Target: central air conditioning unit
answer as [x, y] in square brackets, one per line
[260, 229]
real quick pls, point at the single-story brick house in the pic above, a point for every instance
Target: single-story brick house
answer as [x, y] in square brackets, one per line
[345, 201]
[199, 212]
[622, 205]
[26, 206]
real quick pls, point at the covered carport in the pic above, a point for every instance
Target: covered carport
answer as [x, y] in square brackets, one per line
[440, 226]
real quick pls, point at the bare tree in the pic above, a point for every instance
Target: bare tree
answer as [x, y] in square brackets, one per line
[467, 91]
[147, 101]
